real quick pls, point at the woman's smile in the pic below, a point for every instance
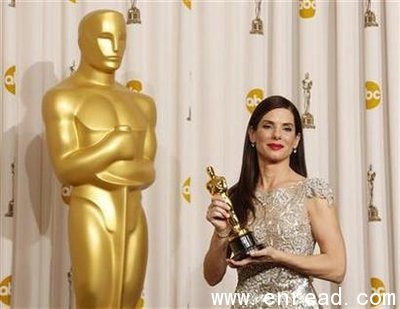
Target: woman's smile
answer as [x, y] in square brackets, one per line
[275, 147]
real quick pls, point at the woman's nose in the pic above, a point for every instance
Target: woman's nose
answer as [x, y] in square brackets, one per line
[277, 134]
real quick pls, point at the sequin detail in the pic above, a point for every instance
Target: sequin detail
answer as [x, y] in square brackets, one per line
[317, 187]
[281, 221]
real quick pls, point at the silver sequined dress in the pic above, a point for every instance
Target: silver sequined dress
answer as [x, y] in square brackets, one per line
[281, 221]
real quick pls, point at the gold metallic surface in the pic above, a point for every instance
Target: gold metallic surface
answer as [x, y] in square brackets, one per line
[11, 203]
[218, 185]
[133, 14]
[373, 212]
[307, 118]
[257, 26]
[241, 240]
[370, 17]
[101, 139]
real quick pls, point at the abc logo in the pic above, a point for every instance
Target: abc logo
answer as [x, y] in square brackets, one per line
[5, 291]
[372, 94]
[186, 190]
[66, 193]
[134, 85]
[254, 97]
[378, 289]
[9, 79]
[307, 8]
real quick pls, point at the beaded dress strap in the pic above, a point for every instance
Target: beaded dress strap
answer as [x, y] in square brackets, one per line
[317, 187]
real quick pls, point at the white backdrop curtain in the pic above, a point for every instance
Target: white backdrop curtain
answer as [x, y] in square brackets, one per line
[206, 72]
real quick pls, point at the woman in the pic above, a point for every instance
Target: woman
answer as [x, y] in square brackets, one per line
[287, 211]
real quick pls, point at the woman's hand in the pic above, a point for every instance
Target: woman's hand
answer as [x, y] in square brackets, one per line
[218, 215]
[265, 255]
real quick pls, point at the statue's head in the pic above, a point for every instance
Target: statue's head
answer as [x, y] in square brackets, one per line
[102, 38]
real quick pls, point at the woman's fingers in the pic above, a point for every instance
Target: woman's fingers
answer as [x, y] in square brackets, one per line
[218, 212]
[255, 257]
[258, 253]
[265, 255]
[235, 264]
[218, 209]
[219, 202]
[217, 218]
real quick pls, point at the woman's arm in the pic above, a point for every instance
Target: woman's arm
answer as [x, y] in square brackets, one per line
[214, 266]
[330, 264]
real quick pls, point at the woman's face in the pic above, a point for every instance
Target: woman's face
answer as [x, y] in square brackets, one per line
[275, 135]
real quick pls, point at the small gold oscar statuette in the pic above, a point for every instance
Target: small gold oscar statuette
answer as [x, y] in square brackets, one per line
[257, 26]
[307, 118]
[10, 210]
[242, 241]
[133, 14]
[373, 214]
[11, 203]
[369, 17]
[70, 289]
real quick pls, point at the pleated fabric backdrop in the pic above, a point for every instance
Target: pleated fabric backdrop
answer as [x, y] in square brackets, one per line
[206, 73]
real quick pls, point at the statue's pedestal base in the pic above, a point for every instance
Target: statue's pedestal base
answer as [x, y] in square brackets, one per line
[308, 121]
[242, 245]
[373, 214]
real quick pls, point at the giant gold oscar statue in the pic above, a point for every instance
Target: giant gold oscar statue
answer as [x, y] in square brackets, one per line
[101, 139]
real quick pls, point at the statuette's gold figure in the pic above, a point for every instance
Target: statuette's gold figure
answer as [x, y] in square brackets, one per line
[102, 145]
[307, 118]
[218, 185]
[257, 26]
[242, 241]
[369, 17]
[373, 213]
[133, 14]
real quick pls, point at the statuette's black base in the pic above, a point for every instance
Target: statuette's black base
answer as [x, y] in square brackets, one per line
[242, 245]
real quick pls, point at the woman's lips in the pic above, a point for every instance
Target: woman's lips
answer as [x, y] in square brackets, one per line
[275, 146]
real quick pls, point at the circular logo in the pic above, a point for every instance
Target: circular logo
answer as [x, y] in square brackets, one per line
[66, 191]
[307, 8]
[9, 79]
[186, 190]
[134, 85]
[254, 97]
[378, 290]
[372, 94]
[5, 291]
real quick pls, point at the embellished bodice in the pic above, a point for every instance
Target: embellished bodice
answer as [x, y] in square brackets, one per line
[281, 221]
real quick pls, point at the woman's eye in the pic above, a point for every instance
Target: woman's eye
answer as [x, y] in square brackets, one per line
[288, 129]
[267, 126]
